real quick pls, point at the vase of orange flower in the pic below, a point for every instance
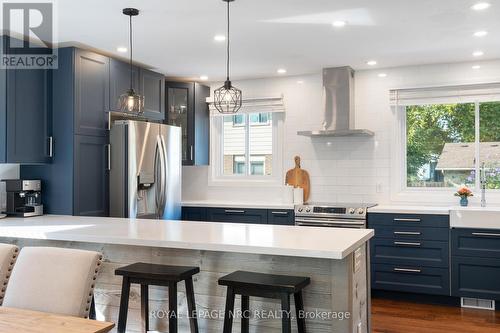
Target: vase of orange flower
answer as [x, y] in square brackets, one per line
[464, 193]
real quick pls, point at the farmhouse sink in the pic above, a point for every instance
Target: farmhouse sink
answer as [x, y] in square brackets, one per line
[475, 217]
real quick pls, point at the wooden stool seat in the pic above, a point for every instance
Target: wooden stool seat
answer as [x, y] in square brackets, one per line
[157, 275]
[274, 286]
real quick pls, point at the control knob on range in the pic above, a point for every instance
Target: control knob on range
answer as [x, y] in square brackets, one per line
[308, 209]
[361, 211]
[352, 210]
[300, 209]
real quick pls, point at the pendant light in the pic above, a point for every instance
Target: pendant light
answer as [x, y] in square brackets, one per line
[131, 102]
[227, 99]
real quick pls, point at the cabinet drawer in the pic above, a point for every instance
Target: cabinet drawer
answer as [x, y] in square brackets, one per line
[280, 216]
[405, 252]
[411, 233]
[413, 279]
[475, 277]
[476, 242]
[194, 213]
[408, 220]
[237, 215]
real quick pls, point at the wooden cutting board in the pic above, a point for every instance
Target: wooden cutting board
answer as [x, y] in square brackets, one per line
[298, 177]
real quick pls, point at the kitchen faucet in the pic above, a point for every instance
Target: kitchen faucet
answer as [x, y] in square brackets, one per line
[482, 179]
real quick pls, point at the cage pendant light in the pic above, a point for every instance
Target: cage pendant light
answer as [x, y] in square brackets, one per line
[227, 99]
[131, 102]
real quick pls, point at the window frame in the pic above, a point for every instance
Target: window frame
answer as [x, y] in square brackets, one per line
[401, 192]
[216, 167]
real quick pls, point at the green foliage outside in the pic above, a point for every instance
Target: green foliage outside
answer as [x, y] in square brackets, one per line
[429, 127]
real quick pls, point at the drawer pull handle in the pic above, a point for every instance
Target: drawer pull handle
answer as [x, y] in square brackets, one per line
[485, 234]
[412, 233]
[279, 213]
[407, 220]
[234, 211]
[407, 243]
[407, 270]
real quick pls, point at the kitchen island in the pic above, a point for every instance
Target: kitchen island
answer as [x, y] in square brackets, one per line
[334, 259]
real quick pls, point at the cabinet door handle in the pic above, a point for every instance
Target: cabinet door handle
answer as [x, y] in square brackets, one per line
[191, 153]
[409, 233]
[108, 162]
[407, 270]
[234, 211]
[51, 146]
[279, 213]
[485, 234]
[407, 243]
[406, 220]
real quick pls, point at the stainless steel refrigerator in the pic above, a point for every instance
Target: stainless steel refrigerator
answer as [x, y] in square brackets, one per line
[145, 175]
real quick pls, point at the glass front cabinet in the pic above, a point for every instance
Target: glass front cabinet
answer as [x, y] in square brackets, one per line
[186, 107]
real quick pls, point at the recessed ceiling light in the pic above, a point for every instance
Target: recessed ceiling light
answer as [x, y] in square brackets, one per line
[478, 53]
[121, 49]
[382, 75]
[219, 38]
[371, 63]
[281, 71]
[476, 67]
[481, 6]
[339, 24]
[300, 82]
[480, 33]
[203, 77]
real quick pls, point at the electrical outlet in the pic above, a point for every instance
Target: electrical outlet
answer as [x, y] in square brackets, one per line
[378, 187]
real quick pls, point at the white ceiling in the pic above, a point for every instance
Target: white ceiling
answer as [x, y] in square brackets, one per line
[176, 36]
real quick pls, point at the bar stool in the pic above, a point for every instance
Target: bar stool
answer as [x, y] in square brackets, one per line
[157, 275]
[268, 286]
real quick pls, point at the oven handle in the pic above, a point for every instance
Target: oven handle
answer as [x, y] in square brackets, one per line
[340, 220]
[329, 223]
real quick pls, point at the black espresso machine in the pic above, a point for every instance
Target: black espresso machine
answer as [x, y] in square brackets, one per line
[21, 198]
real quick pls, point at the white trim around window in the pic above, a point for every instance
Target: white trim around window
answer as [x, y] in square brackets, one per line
[216, 169]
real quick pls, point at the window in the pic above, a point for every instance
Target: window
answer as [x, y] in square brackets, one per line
[443, 148]
[246, 146]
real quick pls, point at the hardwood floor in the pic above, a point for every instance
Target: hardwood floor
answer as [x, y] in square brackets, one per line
[389, 316]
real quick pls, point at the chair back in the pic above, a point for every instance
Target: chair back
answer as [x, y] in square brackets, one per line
[56, 280]
[8, 255]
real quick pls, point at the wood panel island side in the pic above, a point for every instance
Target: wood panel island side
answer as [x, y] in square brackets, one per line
[337, 300]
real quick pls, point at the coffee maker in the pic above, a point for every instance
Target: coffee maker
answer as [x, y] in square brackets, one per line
[21, 198]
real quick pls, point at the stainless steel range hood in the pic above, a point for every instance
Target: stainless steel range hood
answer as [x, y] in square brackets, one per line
[338, 103]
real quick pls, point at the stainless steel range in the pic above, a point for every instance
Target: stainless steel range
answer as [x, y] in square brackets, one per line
[338, 215]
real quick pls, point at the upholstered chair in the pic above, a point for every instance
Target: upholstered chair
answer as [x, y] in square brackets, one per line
[55, 280]
[8, 256]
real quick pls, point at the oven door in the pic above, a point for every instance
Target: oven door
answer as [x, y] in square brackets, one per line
[330, 222]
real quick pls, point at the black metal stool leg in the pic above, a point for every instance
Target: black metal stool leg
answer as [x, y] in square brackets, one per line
[285, 309]
[299, 309]
[172, 307]
[145, 307]
[92, 314]
[122, 316]
[245, 322]
[193, 320]
[229, 312]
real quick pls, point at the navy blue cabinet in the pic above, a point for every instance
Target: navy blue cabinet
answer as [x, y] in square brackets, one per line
[194, 213]
[91, 176]
[119, 81]
[76, 181]
[410, 253]
[237, 215]
[91, 96]
[25, 115]
[187, 108]
[475, 268]
[152, 86]
[281, 216]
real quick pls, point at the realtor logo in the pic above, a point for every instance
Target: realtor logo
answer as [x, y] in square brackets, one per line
[31, 30]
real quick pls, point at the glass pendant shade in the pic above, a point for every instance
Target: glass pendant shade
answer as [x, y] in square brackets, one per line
[227, 99]
[131, 102]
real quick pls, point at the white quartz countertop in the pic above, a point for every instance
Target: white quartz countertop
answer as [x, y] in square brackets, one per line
[407, 209]
[225, 204]
[330, 243]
